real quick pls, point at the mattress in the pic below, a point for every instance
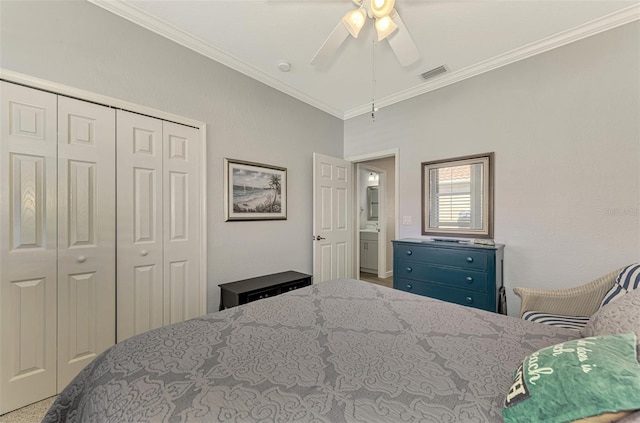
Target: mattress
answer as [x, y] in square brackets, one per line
[337, 351]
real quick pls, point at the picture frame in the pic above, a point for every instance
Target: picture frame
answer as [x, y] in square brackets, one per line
[254, 191]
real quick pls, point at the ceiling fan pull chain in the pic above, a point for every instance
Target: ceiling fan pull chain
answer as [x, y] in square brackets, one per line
[373, 81]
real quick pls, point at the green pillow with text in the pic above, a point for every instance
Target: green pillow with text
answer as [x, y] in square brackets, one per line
[595, 379]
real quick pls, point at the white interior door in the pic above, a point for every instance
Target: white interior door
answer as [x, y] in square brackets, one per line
[139, 226]
[181, 232]
[86, 234]
[332, 218]
[27, 246]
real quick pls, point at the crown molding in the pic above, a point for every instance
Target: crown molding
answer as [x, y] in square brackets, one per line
[84, 95]
[141, 18]
[136, 15]
[560, 39]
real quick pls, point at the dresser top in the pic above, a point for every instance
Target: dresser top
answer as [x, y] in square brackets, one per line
[451, 244]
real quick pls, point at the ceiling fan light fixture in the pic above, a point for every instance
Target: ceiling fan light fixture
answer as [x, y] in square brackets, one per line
[381, 8]
[354, 21]
[387, 22]
[385, 26]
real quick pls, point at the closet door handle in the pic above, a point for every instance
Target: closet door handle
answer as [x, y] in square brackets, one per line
[144, 252]
[81, 259]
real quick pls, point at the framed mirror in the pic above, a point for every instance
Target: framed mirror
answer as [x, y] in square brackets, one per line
[372, 203]
[457, 197]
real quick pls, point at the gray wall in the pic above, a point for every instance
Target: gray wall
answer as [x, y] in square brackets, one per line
[565, 130]
[564, 126]
[80, 45]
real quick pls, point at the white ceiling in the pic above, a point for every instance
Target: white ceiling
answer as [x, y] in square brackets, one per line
[469, 37]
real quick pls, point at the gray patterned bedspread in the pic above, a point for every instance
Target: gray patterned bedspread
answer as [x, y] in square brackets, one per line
[339, 351]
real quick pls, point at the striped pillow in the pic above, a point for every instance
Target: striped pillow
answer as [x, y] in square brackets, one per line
[559, 320]
[628, 279]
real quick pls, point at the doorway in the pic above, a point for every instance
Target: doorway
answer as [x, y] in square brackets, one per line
[375, 216]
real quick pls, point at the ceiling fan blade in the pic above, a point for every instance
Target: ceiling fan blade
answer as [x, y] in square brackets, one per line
[401, 42]
[331, 45]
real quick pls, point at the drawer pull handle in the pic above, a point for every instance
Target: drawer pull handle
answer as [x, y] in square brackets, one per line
[469, 259]
[469, 300]
[409, 286]
[81, 259]
[144, 253]
[409, 270]
[469, 279]
[409, 252]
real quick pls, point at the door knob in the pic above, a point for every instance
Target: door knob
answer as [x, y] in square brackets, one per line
[81, 259]
[319, 238]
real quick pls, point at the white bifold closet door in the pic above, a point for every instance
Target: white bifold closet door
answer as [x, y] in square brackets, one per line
[158, 254]
[28, 242]
[57, 286]
[86, 234]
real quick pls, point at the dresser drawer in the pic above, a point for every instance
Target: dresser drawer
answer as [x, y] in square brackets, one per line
[460, 273]
[467, 259]
[445, 293]
[460, 278]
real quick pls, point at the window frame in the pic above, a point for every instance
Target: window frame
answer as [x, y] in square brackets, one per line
[486, 229]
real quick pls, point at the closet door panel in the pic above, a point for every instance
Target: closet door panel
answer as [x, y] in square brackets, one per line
[140, 251]
[27, 246]
[182, 229]
[86, 237]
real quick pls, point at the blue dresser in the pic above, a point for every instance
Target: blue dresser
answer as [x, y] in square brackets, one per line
[466, 274]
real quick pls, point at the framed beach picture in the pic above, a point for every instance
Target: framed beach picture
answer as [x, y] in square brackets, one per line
[254, 191]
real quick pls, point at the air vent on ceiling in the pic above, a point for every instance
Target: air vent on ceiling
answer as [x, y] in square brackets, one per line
[434, 72]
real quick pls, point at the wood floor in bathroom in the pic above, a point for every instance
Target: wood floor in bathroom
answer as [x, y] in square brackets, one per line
[370, 277]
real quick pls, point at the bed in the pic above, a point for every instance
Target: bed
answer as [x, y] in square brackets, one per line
[339, 351]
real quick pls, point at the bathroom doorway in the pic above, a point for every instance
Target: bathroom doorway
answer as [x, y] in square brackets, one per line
[376, 219]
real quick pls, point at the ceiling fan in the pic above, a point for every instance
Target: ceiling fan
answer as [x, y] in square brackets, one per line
[388, 25]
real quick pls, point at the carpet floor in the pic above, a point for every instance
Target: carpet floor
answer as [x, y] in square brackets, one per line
[30, 414]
